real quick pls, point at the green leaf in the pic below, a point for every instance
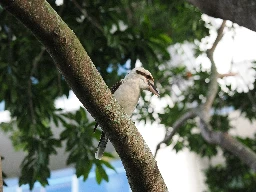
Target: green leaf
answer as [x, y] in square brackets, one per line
[102, 172]
[98, 175]
[107, 164]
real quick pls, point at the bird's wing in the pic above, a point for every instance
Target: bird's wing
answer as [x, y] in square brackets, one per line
[116, 86]
[113, 89]
[104, 139]
[101, 146]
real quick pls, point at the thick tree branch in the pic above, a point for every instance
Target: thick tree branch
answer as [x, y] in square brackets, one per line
[225, 141]
[170, 133]
[241, 12]
[86, 82]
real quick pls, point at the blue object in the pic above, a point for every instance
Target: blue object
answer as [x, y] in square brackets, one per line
[65, 181]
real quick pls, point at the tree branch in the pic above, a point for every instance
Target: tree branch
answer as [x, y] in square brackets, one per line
[218, 38]
[178, 123]
[86, 82]
[36, 61]
[211, 94]
[240, 12]
[227, 75]
[225, 141]
[213, 86]
[84, 12]
[30, 95]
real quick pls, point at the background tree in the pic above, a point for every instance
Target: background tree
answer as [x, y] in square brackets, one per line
[115, 41]
[213, 127]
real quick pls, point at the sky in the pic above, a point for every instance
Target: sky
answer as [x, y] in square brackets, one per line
[234, 54]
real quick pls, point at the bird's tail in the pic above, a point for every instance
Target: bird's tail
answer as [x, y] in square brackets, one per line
[102, 146]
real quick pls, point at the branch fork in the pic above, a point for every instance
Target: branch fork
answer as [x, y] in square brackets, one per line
[224, 140]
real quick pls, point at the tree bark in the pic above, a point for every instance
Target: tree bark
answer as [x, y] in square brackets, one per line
[241, 12]
[225, 141]
[86, 82]
[1, 175]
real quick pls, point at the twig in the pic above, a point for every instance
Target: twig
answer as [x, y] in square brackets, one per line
[30, 95]
[227, 75]
[218, 38]
[188, 115]
[9, 34]
[36, 61]
[213, 87]
[84, 12]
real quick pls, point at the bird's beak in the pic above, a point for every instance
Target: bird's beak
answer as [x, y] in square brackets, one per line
[152, 88]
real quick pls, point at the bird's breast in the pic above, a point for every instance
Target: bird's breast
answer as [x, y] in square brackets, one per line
[127, 96]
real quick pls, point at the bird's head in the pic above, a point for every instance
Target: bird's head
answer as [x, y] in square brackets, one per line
[144, 78]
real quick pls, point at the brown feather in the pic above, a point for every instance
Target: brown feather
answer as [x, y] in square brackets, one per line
[149, 77]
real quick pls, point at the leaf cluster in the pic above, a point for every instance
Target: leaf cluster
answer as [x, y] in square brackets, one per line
[234, 175]
[80, 144]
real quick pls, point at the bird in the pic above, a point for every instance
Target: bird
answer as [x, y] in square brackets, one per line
[127, 92]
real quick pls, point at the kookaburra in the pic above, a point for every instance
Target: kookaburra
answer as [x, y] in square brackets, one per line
[127, 93]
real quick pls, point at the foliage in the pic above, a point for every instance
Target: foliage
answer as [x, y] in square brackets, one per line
[115, 37]
[79, 137]
[233, 175]
[238, 177]
[248, 107]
